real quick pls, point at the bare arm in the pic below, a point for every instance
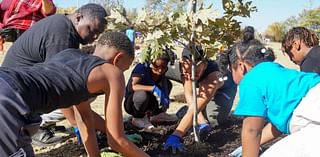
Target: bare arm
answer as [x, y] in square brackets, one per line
[48, 7]
[136, 86]
[113, 112]
[99, 122]
[85, 123]
[207, 89]
[251, 136]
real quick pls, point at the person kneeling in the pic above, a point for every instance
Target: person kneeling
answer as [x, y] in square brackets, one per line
[148, 91]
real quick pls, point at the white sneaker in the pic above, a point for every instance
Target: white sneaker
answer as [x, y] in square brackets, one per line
[142, 123]
[163, 117]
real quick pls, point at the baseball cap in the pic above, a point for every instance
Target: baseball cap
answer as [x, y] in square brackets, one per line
[199, 55]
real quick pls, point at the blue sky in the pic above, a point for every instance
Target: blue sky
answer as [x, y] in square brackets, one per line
[269, 11]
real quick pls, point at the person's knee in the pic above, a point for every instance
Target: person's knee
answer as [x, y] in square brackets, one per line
[140, 97]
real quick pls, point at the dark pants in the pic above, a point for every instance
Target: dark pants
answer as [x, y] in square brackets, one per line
[217, 110]
[139, 103]
[17, 123]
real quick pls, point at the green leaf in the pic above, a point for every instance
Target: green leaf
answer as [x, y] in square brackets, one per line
[110, 154]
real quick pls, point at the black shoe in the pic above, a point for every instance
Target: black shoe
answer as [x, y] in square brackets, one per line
[58, 128]
[45, 137]
[102, 139]
[205, 131]
[182, 111]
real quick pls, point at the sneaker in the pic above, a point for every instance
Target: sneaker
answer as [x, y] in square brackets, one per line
[45, 137]
[51, 118]
[163, 117]
[142, 123]
[182, 111]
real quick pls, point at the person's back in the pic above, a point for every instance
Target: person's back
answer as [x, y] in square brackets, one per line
[55, 83]
[311, 62]
[47, 38]
[44, 39]
[293, 87]
[63, 81]
[55, 33]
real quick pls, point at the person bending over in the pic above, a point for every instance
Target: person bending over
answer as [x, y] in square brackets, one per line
[68, 78]
[48, 37]
[302, 46]
[207, 75]
[269, 92]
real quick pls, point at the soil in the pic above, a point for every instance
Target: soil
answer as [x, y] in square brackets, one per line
[221, 141]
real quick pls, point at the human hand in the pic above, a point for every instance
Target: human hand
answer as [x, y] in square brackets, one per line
[174, 142]
[185, 67]
[161, 96]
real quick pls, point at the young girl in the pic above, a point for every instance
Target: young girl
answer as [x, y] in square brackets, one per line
[148, 92]
[271, 93]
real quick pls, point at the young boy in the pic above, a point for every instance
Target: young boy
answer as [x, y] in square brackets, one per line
[148, 92]
[207, 75]
[70, 77]
[48, 37]
[302, 46]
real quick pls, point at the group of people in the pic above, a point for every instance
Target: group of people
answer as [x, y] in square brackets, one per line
[36, 80]
[275, 100]
[45, 71]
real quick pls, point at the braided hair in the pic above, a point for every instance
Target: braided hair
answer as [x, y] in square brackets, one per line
[308, 37]
[251, 51]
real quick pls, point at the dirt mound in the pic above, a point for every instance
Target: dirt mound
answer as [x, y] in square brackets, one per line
[222, 140]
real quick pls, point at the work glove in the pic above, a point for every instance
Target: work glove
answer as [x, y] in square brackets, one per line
[174, 142]
[161, 96]
[238, 152]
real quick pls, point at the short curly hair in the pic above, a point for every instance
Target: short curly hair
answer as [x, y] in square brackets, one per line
[117, 40]
[94, 11]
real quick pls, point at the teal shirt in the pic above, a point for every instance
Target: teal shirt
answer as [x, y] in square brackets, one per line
[271, 91]
[131, 34]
